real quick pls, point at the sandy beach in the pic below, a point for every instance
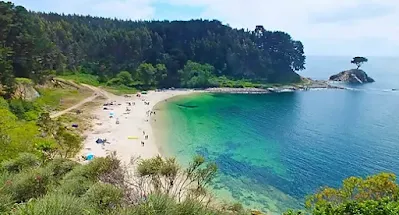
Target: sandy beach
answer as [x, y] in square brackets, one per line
[126, 137]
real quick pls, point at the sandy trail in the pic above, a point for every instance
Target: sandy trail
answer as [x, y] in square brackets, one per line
[125, 138]
[96, 92]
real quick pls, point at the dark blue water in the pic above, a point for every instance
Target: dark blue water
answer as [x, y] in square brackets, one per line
[273, 150]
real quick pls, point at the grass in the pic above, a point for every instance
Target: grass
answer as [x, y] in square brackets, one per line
[120, 90]
[92, 80]
[52, 99]
[82, 78]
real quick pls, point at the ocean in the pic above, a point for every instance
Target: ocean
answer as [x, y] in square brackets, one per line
[272, 150]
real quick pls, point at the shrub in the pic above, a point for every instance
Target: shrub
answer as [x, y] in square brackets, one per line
[4, 103]
[104, 197]
[193, 207]
[77, 186]
[54, 204]
[19, 107]
[23, 161]
[155, 204]
[28, 184]
[6, 203]
[59, 167]
[100, 166]
[31, 115]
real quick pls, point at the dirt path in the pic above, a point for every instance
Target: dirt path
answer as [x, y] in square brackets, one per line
[96, 93]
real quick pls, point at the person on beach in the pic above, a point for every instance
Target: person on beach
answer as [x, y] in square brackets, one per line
[143, 132]
[142, 143]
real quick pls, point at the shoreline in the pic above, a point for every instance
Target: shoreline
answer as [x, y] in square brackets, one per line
[126, 137]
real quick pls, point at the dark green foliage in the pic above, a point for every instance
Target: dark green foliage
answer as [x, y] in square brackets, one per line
[76, 186]
[20, 107]
[374, 195]
[196, 75]
[54, 204]
[358, 61]
[61, 166]
[104, 197]
[28, 184]
[6, 203]
[4, 103]
[35, 45]
[64, 187]
[23, 161]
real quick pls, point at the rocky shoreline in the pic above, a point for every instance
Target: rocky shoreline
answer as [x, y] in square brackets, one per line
[311, 84]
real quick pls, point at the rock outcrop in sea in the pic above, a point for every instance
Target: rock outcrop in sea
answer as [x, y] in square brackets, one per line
[353, 76]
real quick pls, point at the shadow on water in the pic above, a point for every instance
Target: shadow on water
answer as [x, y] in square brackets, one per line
[187, 106]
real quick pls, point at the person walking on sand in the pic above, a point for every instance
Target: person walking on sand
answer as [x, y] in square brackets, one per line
[142, 143]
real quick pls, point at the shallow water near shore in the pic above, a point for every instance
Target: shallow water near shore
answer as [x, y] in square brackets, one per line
[274, 149]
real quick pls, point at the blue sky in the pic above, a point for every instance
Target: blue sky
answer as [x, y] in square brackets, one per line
[326, 27]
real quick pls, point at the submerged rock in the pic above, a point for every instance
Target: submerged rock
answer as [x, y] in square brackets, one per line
[354, 76]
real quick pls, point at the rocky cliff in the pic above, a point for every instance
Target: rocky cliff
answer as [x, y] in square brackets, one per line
[354, 76]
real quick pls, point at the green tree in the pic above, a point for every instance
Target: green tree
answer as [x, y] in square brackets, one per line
[125, 78]
[196, 75]
[147, 74]
[7, 81]
[161, 74]
[359, 61]
[33, 45]
[69, 144]
[376, 194]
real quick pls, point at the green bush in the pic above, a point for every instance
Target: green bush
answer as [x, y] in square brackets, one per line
[54, 204]
[23, 161]
[60, 166]
[104, 197]
[6, 203]
[75, 186]
[101, 165]
[4, 103]
[28, 184]
[31, 115]
[19, 107]
[155, 204]
[193, 207]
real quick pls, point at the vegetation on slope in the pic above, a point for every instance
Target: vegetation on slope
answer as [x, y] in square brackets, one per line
[63, 187]
[37, 45]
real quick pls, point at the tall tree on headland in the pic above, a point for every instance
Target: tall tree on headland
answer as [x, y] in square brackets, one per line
[359, 61]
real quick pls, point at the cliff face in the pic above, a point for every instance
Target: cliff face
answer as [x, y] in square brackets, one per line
[25, 90]
[353, 76]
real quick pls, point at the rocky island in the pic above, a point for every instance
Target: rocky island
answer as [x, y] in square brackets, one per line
[353, 76]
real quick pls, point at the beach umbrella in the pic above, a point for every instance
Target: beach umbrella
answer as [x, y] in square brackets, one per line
[89, 156]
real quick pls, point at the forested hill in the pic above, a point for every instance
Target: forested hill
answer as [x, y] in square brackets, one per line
[34, 44]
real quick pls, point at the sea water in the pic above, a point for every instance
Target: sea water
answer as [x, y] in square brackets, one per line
[272, 150]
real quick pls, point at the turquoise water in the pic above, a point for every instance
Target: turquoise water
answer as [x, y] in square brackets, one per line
[272, 150]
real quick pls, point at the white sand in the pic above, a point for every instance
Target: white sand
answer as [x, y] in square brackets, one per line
[132, 124]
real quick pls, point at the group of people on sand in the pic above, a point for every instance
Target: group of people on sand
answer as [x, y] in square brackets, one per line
[145, 137]
[149, 113]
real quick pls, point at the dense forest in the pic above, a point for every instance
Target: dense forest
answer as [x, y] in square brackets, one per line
[34, 45]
